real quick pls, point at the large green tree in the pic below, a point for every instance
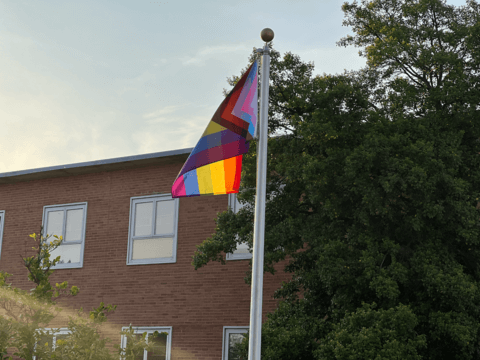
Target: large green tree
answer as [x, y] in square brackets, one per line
[373, 192]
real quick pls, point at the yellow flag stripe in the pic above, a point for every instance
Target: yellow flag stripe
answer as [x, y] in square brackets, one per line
[217, 170]
[204, 180]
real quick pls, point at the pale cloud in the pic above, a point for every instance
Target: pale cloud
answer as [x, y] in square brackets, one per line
[165, 110]
[44, 134]
[208, 52]
[44, 122]
[37, 134]
[136, 83]
[172, 131]
[50, 46]
[160, 62]
[158, 137]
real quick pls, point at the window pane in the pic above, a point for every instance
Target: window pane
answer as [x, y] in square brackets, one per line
[143, 219]
[45, 340]
[60, 337]
[160, 347]
[152, 248]
[165, 217]
[68, 253]
[242, 249]
[141, 354]
[74, 225]
[234, 339]
[238, 206]
[55, 223]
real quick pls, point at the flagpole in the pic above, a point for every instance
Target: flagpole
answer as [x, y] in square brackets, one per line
[255, 335]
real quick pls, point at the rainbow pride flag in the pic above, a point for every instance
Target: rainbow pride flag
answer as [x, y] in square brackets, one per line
[215, 164]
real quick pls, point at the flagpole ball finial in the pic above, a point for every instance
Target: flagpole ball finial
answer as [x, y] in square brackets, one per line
[267, 35]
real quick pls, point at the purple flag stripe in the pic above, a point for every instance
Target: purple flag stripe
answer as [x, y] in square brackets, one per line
[216, 139]
[215, 154]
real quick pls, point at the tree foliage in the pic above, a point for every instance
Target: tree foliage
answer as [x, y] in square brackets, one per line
[373, 192]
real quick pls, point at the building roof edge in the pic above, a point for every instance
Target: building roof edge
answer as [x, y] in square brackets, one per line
[95, 166]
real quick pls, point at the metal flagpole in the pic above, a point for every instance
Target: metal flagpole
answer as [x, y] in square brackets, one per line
[255, 336]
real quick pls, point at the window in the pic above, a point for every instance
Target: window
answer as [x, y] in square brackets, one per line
[162, 347]
[47, 336]
[241, 252]
[2, 220]
[232, 335]
[152, 234]
[51, 338]
[68, 221]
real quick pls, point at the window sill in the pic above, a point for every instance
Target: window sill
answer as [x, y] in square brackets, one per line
[238, 256]
[152, 261]
[67, 266]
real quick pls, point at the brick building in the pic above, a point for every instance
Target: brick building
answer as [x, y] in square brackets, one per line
[127, 242]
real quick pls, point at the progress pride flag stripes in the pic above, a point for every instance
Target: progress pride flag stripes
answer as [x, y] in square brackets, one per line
[215, 164]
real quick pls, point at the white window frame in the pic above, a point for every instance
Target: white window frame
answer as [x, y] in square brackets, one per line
[150, 330]
[61, 331]
[2, 221]
[65, 207]
[227, 330]
[131, 227]
[232, 204]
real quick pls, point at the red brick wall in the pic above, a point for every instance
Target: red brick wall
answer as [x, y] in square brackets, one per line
[197, 304]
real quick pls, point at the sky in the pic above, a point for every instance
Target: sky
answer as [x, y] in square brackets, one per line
[91, 80]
